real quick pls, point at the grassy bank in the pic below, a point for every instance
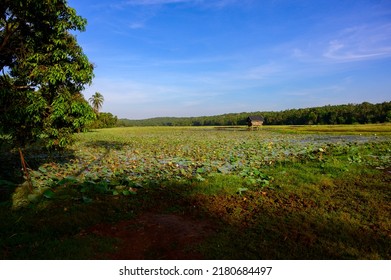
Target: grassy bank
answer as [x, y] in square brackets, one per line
[313, 192]
[354, 129]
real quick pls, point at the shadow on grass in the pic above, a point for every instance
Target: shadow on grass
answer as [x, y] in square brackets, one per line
[289, 234]
[52, 223]
[248, 226]
[11, 172]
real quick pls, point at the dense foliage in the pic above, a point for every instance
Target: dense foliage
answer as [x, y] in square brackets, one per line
[43, 70]
[339, 114]
[104, 120]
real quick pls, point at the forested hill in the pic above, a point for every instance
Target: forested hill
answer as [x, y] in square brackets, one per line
[336, 114]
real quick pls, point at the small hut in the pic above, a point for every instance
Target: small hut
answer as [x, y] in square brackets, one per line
[254, 121]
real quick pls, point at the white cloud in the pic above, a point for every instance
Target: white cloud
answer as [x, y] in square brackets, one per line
[360, 43]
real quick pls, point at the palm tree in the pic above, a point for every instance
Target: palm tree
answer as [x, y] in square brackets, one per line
[96, 101]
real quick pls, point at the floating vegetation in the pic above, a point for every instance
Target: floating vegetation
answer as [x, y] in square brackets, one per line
[288, 195]
[141, 156]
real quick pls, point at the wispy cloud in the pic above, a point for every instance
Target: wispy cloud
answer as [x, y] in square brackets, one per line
[360, 43]
[136, 25]
[262, 72]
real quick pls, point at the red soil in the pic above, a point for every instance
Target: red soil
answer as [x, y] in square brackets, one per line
[156, 236]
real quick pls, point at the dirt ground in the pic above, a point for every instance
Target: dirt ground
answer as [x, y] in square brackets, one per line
[156, 236]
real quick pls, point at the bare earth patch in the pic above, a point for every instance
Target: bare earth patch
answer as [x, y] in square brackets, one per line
[156, 236]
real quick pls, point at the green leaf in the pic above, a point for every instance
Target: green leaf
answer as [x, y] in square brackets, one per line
[42, 169]
[126, 192]
[33, 197]
[200, 178]
[68, 180]
[200, 170]
[49, 194]
[120, 188]
[241, 190]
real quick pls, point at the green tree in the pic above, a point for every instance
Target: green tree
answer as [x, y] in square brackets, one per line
[105, 120]
[43, 71]
[96, 101]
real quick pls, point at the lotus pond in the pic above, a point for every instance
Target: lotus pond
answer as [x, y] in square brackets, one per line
[271, 194]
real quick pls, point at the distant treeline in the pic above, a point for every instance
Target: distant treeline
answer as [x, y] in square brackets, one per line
[330, 114]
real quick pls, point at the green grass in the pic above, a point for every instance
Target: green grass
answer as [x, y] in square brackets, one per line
[354, 129]
[276, 193]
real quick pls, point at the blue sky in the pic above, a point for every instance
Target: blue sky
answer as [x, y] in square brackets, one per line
[208, 57]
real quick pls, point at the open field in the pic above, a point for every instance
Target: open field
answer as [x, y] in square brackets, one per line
[370, 129]
[283, 192]
[354, 129]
